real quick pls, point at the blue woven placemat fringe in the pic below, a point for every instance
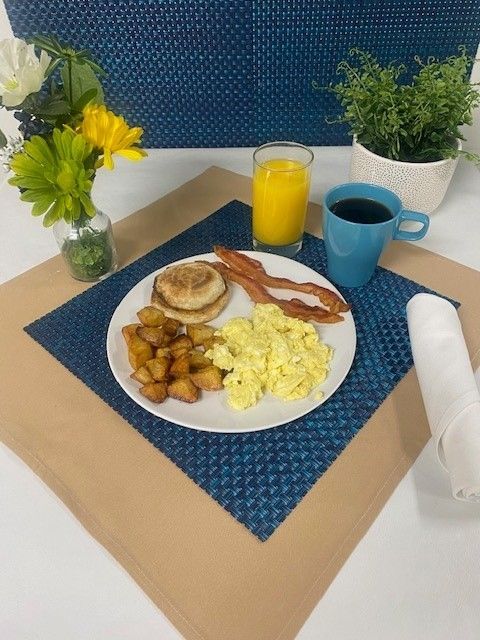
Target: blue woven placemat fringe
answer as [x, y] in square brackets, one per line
[257, 477]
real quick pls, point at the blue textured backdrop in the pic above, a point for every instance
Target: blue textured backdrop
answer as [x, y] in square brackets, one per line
[206, 73]
[258, 477]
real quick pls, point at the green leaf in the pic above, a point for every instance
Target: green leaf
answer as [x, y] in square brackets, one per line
[77, 80]
[3, 139]
[52, 66]
[53, 107]
[47, 43]
[96, 67]
[29, 104]
[85, 99]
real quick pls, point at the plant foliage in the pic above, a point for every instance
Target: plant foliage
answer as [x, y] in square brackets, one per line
[90, 255]
[415, 122]
[62, 102]
[68, 133]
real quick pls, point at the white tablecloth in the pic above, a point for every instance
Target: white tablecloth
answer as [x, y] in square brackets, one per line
[416, 574]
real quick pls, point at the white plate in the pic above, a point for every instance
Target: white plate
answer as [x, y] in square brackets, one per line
[211, 412]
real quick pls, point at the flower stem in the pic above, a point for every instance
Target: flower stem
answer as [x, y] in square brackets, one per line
[70, 80]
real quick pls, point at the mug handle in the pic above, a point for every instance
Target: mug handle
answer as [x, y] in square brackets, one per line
[406, 214]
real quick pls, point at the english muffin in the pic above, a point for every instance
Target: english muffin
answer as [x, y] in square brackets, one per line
[191, 292]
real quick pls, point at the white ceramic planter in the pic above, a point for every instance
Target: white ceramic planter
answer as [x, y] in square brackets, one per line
[421, 186]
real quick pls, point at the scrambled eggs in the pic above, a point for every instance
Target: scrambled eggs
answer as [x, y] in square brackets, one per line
[270, 352]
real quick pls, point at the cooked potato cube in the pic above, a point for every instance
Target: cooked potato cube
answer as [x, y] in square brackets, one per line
[155, 391]
[151, 317]
[180, 352]
[199, 333]
[210, 342]
[153, 335]
[129, 330]
[183, 389]
[163, 351]
[166, 339]
[208, 379]
[139, 351]
[137, 360]
[142, 375]
[180, 342]
[198, 361]
[171, 326]
[181, 365]
[158, 368]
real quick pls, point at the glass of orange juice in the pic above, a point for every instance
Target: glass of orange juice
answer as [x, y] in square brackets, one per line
[281, 183]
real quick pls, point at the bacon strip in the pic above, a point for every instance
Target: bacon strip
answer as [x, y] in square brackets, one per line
[294, 308]
[254, 269]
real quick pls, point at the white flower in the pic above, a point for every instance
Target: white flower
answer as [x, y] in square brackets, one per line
[21, 72]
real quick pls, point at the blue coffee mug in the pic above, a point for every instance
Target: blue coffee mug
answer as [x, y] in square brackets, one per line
[353, 248]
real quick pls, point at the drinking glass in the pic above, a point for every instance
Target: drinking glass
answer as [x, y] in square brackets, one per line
[281, 184]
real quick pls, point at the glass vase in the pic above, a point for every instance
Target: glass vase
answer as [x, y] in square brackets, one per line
[87, 246]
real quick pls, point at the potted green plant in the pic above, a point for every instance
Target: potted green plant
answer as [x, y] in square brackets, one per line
[406, 136]
[66, 135]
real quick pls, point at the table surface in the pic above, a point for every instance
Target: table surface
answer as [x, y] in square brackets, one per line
[416, 573]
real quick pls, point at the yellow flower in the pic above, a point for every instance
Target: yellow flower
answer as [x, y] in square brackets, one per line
[110, 134]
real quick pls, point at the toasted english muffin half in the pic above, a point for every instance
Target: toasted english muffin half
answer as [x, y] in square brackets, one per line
[190, 286]
[191, 316]
[191, 292]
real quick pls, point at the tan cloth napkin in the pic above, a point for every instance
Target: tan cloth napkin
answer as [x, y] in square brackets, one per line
[449, 389]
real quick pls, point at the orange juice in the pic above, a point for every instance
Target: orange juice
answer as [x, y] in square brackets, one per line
[280, 196]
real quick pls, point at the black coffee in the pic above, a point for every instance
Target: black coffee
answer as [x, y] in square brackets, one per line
[361, 210]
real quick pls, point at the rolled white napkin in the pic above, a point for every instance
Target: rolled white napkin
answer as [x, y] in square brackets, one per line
[449, 389]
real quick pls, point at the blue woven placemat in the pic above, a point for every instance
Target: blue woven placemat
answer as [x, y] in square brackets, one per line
[217, 73]
[258, 477]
